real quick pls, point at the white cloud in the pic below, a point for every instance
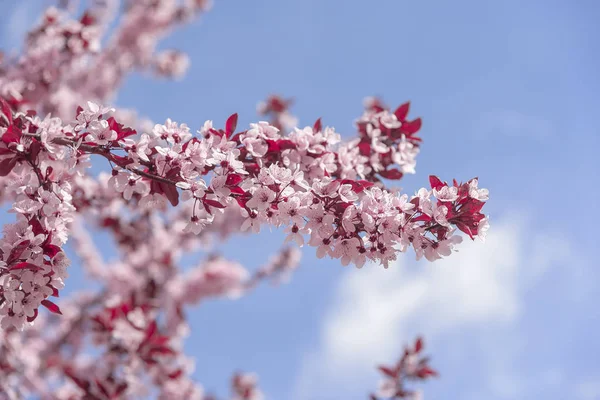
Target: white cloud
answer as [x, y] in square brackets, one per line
[588, 390]
[376, 311]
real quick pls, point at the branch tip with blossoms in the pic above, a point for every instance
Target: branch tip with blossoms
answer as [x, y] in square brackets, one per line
[171, 191]
[412, 366]
[307, 180]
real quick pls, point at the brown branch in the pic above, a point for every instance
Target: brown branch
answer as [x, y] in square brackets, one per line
[104, 152]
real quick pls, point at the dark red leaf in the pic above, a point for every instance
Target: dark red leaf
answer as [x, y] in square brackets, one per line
[34, 316]
[285, 144]
[237, 190]
[465, 228]
[25, 265]
[426, 372]
[213, 203]
[51, 306]
[366, 184]
[7, 165]
[435, 182]
[83, 384]
[51, 250]
[162, 350]
[173, 173]
[12, 135]
[419, 345]
[253, 169]
[120, 389]
[49, 172]
[422, 217]
[357, 186]
[364, 148]
[317, 126]
[176, 374]
[472, 206]
[233, 179]
[393, 173]
[231, 124]
[402, 111]
[102, 388]
[273, 146]
[120, 129]
[16, 252]
[160, 340]
[411, 127]
[87, 19]
[151, 330]
[186, 144]
[388, 371]
[37, 227]
[120, 160]
[35, 148]
[171, 192]
[241, 201]
[5, 108]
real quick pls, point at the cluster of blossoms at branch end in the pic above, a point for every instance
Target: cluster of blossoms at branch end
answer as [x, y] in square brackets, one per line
[169, 191]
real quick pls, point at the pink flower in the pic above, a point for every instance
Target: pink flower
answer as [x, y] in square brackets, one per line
[294, 234]
[196, 225]
[100, 133]
[446, 193]
[252, 221]
[261, 198]
[90, 112]
[291, 211]
[346, 250]
[128, 184]
[476, 193]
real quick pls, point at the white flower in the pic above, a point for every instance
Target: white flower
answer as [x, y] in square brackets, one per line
[90, 112]
[195, 189]
[290, 210]
[196, 225]
[128, 184]
[34, 283]
[294, 234]
[251, 221]
[446, 193]
[482, 228]
[347, 194]
[100, 133]
[127, 334]
[261, 198]
[476, 193]
[439, 215]
[346, 249]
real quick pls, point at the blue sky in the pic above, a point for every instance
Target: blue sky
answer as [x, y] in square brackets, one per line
[508, 92]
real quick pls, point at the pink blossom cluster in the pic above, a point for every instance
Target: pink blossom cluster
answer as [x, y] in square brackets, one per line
[244, 386]
[277, 110]
[171, 191]
[297, 180]
[33, 265]
[412, 366]
[64, 64]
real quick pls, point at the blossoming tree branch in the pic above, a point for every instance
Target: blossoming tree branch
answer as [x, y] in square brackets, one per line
[169, 190]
